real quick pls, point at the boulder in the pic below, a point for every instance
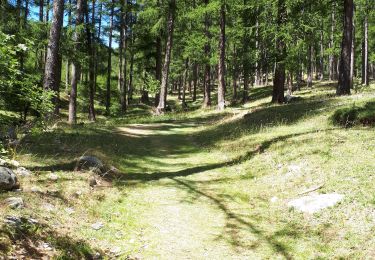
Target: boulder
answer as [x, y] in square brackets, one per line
[21, 171]
[90, 163]
[316, 202]
[8, 180]
[14, 202]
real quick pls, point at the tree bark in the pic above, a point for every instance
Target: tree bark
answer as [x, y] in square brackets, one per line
[343, 87]
[221, 72]
[245, 51]
[365, 68]
[332, 58]
[309, 66]
[321, 60]
[90, 53]
[109, 62]
[123, 70]
[279, 77]
[52, 64]
[167, 59]
[352, 55]
[207, 68]
[195, 81]
[76, 66]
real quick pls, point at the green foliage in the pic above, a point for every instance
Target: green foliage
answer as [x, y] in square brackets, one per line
[20, 91]
[151, 84]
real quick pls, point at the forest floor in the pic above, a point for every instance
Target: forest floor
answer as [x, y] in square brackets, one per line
[201, 184]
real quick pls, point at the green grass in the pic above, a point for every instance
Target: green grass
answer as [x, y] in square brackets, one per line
[199, 184]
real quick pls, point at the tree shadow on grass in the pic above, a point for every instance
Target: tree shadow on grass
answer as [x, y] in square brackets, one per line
[254, 121]
[25, 237]
[234, 222]
[146, 177]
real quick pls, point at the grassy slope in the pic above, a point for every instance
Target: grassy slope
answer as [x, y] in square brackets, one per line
[199, 184]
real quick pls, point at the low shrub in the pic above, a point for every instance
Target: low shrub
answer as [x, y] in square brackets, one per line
[355, 115]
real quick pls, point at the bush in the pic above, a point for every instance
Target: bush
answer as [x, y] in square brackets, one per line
[20, 91]
[355, 115]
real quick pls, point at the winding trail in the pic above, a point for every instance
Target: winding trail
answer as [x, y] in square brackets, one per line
[187, 218]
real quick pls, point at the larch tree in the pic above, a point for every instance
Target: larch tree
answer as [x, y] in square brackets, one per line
[51, 73]
[279, 77]
[76, 64]
[221, 72]
[344, 83]
[167, 60]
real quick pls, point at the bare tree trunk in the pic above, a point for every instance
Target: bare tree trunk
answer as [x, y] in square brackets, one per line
[245, 50]
[290, 83]
[109, 62]
[41, 10]
[183, 103]
[76, 66]
[234, 75]
[195, 81]
[343, 87]
[168, 53]
[257, 65]
[332, 63]
[123, 71]
[221, 73]
[207, 68]
[279, 78]
[90, 53]
[352, 57]
[365, 68]
[321, 60]
[51, 74]
[309, 66]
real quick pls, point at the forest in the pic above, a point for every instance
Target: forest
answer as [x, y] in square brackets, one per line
[170, 129]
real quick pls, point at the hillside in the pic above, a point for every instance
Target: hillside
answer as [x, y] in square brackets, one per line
[200, 184]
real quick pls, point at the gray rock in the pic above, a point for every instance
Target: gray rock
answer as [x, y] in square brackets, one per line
[314, 203]
[90, 163]
[21, 171]
[97, 225]
[13, 163]
[3, 162]
[8, 180]
[14, 202]
[53, 177]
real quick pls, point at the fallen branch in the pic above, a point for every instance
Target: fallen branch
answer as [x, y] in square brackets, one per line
[312, 189]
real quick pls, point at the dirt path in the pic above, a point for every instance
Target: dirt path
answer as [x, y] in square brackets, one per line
[182, 223]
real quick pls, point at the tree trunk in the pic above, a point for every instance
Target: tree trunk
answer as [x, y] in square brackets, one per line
[167, 60]
[279, 78]
[52, 65]
[76, 66]
[195, 81]
[123, 71]
[321, 60]
[309, 66]
[343, 87]
[109, 62]
[90, 53]
[41, 11]
[221, 73]
[207, 68]
[183, 103]
[365, 69]
[332, 58]
[352, 57]
[245, 51]
[257, 60]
